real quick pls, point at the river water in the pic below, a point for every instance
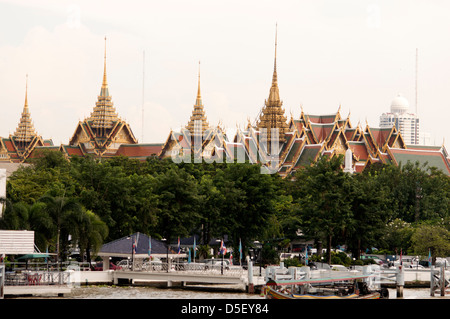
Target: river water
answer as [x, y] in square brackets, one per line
[133, 292]
[136, 292]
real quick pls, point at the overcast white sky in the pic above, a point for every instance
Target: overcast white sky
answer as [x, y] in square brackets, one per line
[355, 53]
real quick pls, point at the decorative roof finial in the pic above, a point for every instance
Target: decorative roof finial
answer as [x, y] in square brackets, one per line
[26, 92]
[199, 96]
[105, 82]
[274, 79]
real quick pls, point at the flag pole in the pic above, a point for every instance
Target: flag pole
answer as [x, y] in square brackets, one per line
[222, 257]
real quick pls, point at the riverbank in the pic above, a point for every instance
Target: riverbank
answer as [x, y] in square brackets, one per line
[145, 292]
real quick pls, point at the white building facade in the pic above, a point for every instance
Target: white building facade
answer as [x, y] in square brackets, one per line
[405, 122]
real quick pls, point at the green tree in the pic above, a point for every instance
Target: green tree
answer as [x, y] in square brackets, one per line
[370, 204]
[397, 236]
[431, 238]
[178, 203]
[49, 173]
[90, 233]
[23, 216]
[60, 210]
[418, 192]
[248, 209]
[211, 206]
[322, 193]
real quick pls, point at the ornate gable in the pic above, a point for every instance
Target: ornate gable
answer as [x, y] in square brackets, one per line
[103, 132]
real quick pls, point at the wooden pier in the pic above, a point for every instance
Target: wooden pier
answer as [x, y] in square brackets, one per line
[42, 291]
[36, 283]
[171, 277]
[238, 278]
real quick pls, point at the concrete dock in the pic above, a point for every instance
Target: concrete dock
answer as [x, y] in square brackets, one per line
[33, 291]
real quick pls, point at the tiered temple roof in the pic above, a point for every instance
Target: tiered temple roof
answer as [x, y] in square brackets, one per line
[195, 137]
[20, 145]
[272, 115]
[301, 141]
[103, 132]
[198, 116]
[104, 114]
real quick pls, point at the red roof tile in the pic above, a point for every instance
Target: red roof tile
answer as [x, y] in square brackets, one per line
[139, 150]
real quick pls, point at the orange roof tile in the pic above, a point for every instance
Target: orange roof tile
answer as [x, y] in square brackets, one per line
[139, 150]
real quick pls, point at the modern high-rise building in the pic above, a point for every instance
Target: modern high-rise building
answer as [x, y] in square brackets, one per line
[406, 123]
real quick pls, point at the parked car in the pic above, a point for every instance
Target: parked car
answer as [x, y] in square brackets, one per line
[217, 264]
[155, 264]
[124, 264]
[99, 266]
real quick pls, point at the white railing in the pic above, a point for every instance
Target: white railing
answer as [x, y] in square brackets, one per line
[196, 268]
[31, 278]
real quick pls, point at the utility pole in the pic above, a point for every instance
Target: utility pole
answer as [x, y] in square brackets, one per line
[143, 91]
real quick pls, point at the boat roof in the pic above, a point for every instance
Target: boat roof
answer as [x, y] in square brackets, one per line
[314, 280]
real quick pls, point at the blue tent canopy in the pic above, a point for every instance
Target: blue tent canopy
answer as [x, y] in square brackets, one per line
[123, 247]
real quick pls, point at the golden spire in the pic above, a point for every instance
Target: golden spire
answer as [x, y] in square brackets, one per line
[199, 96]
[198, 114]
[25, 130]
[272, 115]
[26, 93]
[104, 114]
[105, 82]
[274, 95]
[274, 77]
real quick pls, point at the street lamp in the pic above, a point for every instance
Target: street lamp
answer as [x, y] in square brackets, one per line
[132, 253]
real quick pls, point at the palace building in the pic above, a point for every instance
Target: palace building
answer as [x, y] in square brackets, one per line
[102, 133]
[19, 146]
[279, 144]
[197, 139]
[284, 146]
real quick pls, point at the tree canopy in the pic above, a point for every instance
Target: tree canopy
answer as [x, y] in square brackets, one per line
[96, 200]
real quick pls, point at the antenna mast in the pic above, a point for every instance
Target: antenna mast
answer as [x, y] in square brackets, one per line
[417, 58]
[143, 89]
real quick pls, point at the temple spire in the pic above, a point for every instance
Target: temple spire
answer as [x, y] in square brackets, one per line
[25, 130]
[274, 95]
[274, 77]
[272, 115]
[104, 114]
[105, 82]
[26, 93]
[199, 96]
[198, 117]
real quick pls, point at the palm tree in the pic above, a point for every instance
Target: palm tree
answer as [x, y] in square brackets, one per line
[89, 233]
[22, 216]
[60, 209]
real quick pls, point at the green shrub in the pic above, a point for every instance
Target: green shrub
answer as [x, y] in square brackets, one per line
[358, 262]
[340, 258]
[292, 262]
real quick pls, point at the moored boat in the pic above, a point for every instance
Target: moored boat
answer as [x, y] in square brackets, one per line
[272, 293]
[348, 287]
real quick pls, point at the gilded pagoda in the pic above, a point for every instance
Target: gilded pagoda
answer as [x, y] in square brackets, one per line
[21, 145]
[196, 141]
[102, 133]
[280, 145]
[284, 146]
[272, 122]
